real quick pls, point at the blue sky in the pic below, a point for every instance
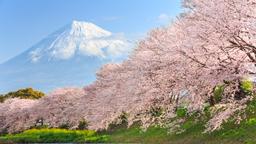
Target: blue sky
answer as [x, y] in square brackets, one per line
[25, 22]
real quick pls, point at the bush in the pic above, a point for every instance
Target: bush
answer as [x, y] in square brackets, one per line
[181, 112]
[156, 111]
[27, 93]
[83, 125]
[251, 121]
[217, 93]
[246, 86]
[2, 98]
[64, 126]
[120, 123]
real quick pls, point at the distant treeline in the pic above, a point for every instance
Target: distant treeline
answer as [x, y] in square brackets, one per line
[27, 93]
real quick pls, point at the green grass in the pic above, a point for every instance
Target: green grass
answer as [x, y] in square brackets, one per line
[53, 135]
[192, 131]
[136, 135]
[181, 112]
[193, 134]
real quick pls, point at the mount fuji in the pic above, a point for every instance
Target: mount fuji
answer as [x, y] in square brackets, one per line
[69, 57]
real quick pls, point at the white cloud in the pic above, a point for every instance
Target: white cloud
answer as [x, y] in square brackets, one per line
[113, 48]
[163, 18]
[35, 56]
[117, 47]
[93, 47]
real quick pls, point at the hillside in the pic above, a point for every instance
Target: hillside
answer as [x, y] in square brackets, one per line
[191, 131]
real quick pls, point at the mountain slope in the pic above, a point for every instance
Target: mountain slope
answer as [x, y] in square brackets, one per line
[68, 57]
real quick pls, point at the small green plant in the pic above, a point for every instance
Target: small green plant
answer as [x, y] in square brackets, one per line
[251, 121]
[83, 125]
[181, 112]
[247, 86]
[120, 123]
[207, 110]
[217, 93]
[156, 111]
[64, 126]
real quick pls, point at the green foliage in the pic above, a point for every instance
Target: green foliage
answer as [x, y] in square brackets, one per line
[123, 123]
[27, 93]
[53, 136]
[83, 125]
[39, 124]
[181, 112]
[247, 86]
[251, 121]
[207, 111]
[156, 111]
[2, 98]
[251, 108]
[217, 93]
[40, 127]
[192, 129]
[245, 131]
[64, 126]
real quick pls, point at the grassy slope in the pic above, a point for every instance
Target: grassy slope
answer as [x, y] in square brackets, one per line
[193, 127]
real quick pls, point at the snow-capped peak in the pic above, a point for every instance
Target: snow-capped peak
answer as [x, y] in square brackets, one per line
[88, 30]
[82, 38]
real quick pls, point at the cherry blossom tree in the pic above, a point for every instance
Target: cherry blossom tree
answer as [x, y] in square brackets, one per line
[208, 44]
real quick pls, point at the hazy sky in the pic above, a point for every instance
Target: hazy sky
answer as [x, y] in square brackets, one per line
[25, 22]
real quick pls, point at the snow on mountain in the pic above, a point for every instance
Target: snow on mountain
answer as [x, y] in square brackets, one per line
[68, 57]
[81, 38]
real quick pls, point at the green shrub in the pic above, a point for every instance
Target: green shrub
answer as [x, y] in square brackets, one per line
[83, 125]
[64, 126]
[207, 111]
[122, 123]
[251, 108]
[27, 93]
[2, 98]
[246, 86]
[156, 111]
[251, 121]
[217, 93]
[181, 112]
